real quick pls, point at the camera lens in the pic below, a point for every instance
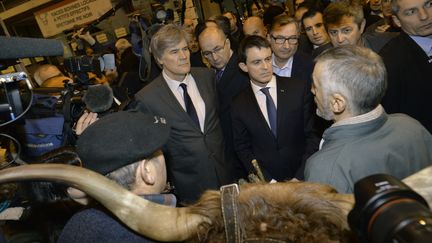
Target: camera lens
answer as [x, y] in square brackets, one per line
[387, 210]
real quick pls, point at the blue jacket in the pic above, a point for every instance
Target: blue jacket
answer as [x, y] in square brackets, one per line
[93, 225]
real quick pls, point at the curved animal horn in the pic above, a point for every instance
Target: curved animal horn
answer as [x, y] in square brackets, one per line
[156, 221]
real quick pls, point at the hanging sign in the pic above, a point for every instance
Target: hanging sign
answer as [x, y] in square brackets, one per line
[69, 13]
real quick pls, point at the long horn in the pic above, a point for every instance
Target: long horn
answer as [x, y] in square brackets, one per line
[155, 221]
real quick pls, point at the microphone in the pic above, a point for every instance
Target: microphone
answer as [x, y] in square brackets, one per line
[98, 98]
[21, 47]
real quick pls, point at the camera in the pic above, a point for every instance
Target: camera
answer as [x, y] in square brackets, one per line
[13, 99]
[387, 210]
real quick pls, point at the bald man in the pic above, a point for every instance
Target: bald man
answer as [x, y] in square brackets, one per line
[230, 80]
[254, 26]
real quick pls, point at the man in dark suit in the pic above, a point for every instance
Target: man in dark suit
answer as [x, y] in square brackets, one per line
[230, 80]
[273, 117]
[187, 99]
[287, 60]
[408, 60]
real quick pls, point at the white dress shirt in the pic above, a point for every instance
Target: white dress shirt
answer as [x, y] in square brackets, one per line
[261, 97]
[194, 94]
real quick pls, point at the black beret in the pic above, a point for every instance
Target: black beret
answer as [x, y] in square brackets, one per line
[120, 139]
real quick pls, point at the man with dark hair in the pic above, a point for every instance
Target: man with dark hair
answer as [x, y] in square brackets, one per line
[223, 23]
[316, 32]
[287, 61]
[272, 117]
[236, 32]
[373, 12]
[126, 148]
[349, 82]
[187, 98]
[408, 59]
[345, 24]
[230, 80]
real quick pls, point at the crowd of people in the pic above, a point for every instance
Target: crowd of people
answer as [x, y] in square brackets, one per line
[329, 93]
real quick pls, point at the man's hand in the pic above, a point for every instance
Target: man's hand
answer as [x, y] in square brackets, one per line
[85, 36]
[84, 121]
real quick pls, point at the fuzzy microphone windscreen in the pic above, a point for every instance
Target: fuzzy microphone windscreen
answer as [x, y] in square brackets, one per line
[98, 98]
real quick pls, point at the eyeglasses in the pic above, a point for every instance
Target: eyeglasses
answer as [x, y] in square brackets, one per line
[216, 51]
[281, 40]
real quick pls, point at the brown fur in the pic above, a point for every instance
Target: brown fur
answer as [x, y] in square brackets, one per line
[281, 212]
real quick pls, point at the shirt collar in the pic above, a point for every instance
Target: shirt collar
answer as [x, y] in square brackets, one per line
[287, 64]
[371, 115]
[424, 42]
[171, 81]
[257, 89]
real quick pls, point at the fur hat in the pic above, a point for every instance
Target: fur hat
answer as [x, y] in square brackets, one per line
[120, 139]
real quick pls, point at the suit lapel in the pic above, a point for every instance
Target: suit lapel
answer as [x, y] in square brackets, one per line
[171, 101]
[205, 95]
[282, 100]
[228, 73]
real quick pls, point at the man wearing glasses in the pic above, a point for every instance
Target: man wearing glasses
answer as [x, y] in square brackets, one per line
[216, 48]
[286, 60]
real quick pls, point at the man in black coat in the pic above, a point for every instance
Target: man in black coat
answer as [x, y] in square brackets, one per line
[288, 61]
[408, 60]
[273, 117]
[230, 80]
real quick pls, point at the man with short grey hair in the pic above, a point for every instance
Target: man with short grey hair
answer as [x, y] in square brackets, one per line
[349, 83]
[408, 60]
[187, 99]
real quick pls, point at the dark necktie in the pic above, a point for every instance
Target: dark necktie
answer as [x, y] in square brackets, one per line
[271, 110]
[190, 108]
[219, 74]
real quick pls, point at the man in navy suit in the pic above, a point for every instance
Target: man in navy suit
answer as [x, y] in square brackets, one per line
[273, 117]
[230, 80]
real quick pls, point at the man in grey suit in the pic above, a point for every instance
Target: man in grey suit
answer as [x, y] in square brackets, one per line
[187, 99]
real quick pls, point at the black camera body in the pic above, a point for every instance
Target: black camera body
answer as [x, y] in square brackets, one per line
[387, 210]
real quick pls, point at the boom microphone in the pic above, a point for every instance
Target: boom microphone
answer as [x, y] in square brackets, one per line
[21, 47]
